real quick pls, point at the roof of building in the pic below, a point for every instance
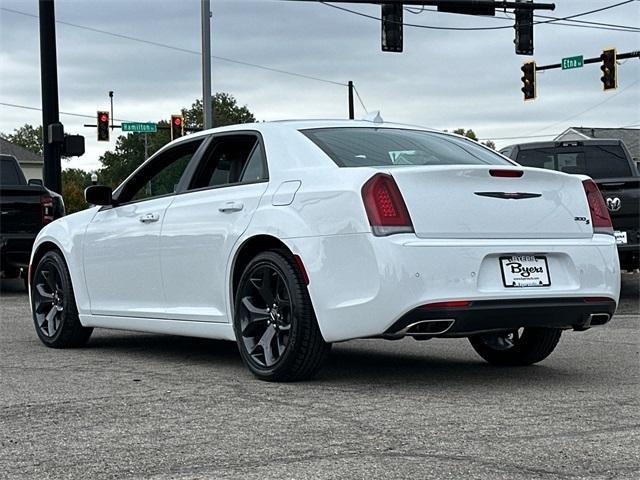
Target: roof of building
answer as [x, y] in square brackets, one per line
[22, 154]
[630, 136]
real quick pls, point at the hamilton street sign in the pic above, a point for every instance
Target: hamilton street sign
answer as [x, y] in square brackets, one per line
[139, 127]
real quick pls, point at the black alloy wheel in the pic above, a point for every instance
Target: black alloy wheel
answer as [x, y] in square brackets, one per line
[524, 346]
[275, 326]
[55, 314]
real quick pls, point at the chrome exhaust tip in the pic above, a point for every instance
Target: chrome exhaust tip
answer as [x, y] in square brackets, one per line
[598, 318]
[428, 328]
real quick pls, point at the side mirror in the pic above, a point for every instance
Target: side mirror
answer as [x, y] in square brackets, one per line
[35, 182]
[98, 195]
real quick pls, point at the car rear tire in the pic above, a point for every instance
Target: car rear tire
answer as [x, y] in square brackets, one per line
[55, 314]
[274, 322]
[521, 347]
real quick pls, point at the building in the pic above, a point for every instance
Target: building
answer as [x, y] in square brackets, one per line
[630, 136]
[30, 162]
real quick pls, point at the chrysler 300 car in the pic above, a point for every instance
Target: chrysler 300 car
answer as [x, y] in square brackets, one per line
[288, 236]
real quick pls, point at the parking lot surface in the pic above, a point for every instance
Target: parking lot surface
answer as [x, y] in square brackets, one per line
[133, 405]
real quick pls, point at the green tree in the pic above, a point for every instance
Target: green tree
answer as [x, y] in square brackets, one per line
[472, 135]
[27, 136]
[74, 181]
[129, 151]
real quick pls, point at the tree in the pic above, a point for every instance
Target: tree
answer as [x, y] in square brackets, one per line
[472, 135]
[129, 152]
[74, 181]
[27, 136]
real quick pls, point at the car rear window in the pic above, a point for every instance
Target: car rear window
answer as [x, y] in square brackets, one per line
[8, 173]
[388, 147]
[597, 161]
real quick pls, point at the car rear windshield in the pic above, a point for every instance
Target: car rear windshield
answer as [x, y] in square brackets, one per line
[8, 173]
[388, 147]
[597, 161]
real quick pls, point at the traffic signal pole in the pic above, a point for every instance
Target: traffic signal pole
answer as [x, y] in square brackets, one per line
[207, 107]
[51, 152]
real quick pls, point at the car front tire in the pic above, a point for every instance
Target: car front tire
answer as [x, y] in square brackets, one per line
[55, 314]
[520, 347]
[274, 321]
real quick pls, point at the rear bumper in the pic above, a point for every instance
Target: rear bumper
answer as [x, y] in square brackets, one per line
[499, 315]
[362, 285]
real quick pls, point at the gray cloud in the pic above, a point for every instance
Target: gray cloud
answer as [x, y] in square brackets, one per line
[444, 79]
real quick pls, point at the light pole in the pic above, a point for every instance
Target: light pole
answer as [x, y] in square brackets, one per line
[207, 110]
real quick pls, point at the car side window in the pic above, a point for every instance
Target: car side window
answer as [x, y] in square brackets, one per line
[231, 159]
[160, 176]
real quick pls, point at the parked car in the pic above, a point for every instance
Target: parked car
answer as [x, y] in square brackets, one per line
[288, 236]
[610, 164]
[25, 207]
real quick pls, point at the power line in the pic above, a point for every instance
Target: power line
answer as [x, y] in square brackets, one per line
[583, 23]
[93, 117]
[433, 27]
[588, 109]
[180, 49]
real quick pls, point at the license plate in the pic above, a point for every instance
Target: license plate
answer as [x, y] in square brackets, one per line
[523, 271]
[621, 237]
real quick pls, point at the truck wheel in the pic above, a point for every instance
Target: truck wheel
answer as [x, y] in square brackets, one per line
[55, 314]
[525, 346]
[274, 322]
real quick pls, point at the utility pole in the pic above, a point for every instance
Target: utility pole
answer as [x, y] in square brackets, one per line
[207, 108]
[51, 152]
[351, 109]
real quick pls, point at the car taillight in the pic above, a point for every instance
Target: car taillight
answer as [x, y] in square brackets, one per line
[600, 218]
[46, 203]
[506, 173]
[385, 206]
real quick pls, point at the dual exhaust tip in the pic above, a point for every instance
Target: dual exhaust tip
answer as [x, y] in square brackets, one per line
[424, 328]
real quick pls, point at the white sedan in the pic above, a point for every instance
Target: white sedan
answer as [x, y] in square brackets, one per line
[288, 236]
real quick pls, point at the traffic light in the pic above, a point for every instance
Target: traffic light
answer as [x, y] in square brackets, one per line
[177, 126]
[392, 19]
[103, 126]
[609, 69]
[529, 80]
[524, 31]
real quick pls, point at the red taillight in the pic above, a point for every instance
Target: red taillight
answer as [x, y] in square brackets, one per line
[506, 173]
[596, 299]
[600, 218]
[46, 203]
[449, 304]
[385, 206]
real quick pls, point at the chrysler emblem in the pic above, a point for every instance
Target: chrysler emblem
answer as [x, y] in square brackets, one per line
[613, 204]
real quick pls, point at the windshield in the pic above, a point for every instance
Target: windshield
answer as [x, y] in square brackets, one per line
[597, 161]
[377, 147]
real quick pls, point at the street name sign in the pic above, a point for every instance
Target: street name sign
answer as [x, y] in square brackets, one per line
[572, 62]
[140, 127]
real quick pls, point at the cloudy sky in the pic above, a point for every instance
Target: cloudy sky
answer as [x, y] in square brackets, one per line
[444, 79]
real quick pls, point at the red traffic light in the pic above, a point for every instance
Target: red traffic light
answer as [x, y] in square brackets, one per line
[177, 121]
[104, 118]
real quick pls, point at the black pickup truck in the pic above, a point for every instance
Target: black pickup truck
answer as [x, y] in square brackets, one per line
[609, 163]
[25, 207]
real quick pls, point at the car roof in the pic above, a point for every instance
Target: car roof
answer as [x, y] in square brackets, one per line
[304, 124]
[562, 143]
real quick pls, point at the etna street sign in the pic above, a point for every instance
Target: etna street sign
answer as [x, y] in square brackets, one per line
[139, 127]
[572, 62]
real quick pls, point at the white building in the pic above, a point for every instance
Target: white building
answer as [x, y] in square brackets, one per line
[30, 163]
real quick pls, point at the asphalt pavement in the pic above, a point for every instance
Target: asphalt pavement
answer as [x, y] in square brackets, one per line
[133, 405]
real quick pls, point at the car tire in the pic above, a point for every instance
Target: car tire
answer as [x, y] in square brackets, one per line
[55, 314]
[274, 321]
[521, 347]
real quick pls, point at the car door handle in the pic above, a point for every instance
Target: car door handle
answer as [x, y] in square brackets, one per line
[149, 218]
[231, 207]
